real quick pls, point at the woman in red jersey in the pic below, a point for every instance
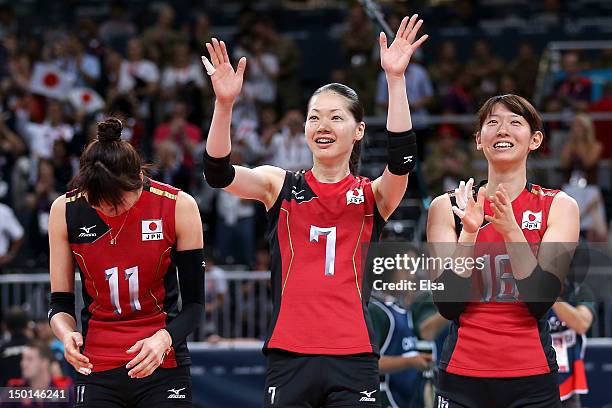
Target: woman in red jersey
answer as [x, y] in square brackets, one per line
[128, 235]
[498, 352]
[320, 350]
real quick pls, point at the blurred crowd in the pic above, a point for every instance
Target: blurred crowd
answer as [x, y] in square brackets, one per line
[55, 85]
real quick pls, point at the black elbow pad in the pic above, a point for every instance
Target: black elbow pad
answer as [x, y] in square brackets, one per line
[218, 171]
[452, 300]
[539, 291]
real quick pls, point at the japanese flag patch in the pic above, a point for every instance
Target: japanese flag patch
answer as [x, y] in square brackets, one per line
[152, 230]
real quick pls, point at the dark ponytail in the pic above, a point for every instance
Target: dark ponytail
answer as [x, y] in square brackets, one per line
[356, 109]
[109, 167]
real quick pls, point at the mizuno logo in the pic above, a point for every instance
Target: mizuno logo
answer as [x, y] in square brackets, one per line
[368, 396]
[408, 159]
[176, 394]
[86, 232]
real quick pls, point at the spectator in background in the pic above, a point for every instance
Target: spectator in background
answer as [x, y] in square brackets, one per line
[358, 43]
[445, 69]
[36, 368]
[215, 291]
[71, 57]
[236, 223]
[447, 163]
[459, 98]
[262, 70]
[138, 76]
[184, 77]
[574, 91]
[170, 168]
[288, 148]
[200, 31]
[159, 39]
[11, 236]
[38, 202]
[288, 56]
[486, 68]
[507, 84]
[524, 69]
[44, 333]
[186, 135]
[11, 148]
[41, 137]
[11, 349]
[118, 28]
[579, 159]
[603, 128]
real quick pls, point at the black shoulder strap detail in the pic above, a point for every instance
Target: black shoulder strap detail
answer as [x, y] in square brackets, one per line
[146, 184]
[282, 194]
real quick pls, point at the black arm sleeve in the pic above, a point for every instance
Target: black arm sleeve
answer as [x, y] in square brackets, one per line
[452, 300]
[218, 172]
[61, 302]
[190, 265]
[539, 291]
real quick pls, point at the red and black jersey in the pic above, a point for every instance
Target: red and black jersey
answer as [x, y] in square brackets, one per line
[498, 337]
[317, 233]
[129, 288]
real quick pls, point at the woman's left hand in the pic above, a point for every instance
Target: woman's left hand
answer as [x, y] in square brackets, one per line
[503, 219]
[394, 59]
[151, 352]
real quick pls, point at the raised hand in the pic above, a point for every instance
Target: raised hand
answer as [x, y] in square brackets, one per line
[226, 82]
[394, 59]
[469, 211]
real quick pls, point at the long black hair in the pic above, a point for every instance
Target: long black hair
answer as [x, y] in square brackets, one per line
[109, 166]
[355, 108]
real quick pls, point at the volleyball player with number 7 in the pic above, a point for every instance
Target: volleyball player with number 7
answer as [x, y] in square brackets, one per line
[321, 350]
[128, 235]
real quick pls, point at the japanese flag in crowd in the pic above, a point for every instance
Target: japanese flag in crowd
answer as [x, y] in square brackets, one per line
[48, 80]
[86, 99]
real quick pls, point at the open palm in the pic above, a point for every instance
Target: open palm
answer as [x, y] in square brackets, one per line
[226, 82]
[394, 59]
[470, 211]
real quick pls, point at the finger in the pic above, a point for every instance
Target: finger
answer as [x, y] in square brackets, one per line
[501, 197]
[148, 369]
[409, 26]
[241, 67]
[468, 186]
[461, 201]
[84, 370]
[210, 69]
[402, 27]
[382, 40]
[481, 197]
[224, 52]
[496, 211]
[459, 213]
[420, 41]
[213, 54]
[136, 347]
[217, 48]
[76, 355]
[136, 360]
[489, 219]
[414, 31]
[137, 369]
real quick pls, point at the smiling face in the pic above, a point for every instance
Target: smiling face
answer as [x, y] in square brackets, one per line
[331, 128]
[506, 137]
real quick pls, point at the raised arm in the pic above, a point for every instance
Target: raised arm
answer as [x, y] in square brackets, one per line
[261, 183]
[389, 189]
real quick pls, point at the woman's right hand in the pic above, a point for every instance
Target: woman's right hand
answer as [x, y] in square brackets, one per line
[72, 352]
[226, 82]
[469, 211]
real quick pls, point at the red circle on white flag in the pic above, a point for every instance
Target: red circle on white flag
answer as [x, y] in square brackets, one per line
[152, 226]
[86, 97]
[51, 79]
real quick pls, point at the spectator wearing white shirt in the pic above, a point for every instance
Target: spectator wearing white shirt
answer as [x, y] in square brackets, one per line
[262, 70]
[72, 58]
[41, 137]
[288, 148]
[136, 73]
[11, 235]
[182, 71]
